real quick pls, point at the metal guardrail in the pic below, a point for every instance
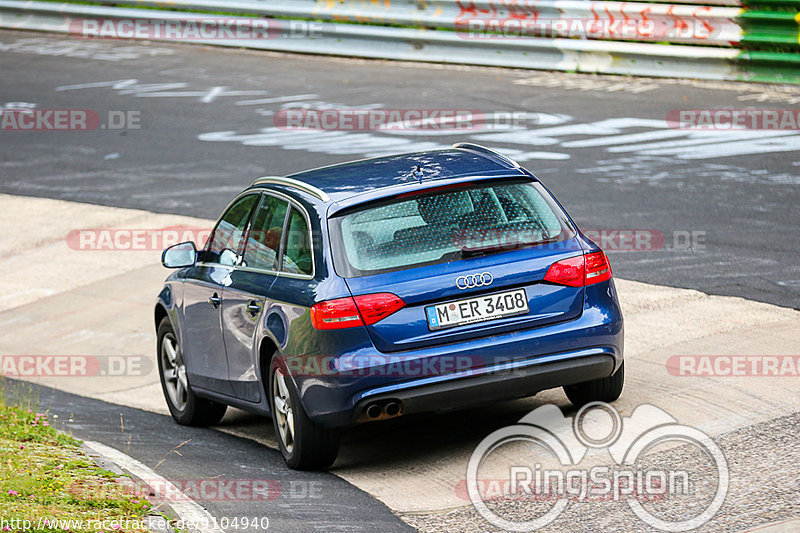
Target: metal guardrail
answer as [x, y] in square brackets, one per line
[721, 47]
[771, 29]
[621, 21]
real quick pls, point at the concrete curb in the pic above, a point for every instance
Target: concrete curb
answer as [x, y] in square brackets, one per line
[193, 517]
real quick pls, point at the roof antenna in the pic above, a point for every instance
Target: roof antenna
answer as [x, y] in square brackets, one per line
[418, 173]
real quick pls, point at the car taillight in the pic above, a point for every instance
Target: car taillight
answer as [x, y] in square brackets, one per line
[597, 268]
[335, 314]
[350, 312]
[376, 307]
[567, 272]
[579, 271]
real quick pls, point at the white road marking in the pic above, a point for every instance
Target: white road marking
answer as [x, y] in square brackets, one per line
[485, 122]
[113, 84]
[584, 83]
[545, 136]
[277, 99]
[694, 139]
[714, 143]
[625, 139]
[348, 143]
[204, 96]
[608, 133]
[187, 510]
[212, 94]
[160, 90]
[136, 89]
[757, 146]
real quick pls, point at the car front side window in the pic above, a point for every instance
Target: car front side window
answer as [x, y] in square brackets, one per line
[226, 239]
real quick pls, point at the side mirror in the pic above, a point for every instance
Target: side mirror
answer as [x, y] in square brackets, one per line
[179, 255]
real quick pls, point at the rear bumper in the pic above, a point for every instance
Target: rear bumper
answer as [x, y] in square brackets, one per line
[500, 367]
[497, 383]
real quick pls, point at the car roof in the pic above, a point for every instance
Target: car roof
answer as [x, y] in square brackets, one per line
[417, 170]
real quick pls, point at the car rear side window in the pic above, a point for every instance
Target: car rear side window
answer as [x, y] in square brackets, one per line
[447, 225]
[297, 254]
[264, 240]
[224, 243]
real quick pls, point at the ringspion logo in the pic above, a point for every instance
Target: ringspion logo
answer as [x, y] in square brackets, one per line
[567, 440]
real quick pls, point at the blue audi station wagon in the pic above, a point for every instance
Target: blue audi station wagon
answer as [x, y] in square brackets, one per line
[381, 288]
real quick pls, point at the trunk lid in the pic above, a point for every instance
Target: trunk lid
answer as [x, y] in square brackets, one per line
[424, 287]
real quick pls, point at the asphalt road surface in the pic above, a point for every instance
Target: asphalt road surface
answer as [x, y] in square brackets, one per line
[230, 467]
[715, 211]
[181, 129]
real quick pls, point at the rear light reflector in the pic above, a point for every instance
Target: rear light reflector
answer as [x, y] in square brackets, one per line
[597, 268]
[351, 312]
[579, 271]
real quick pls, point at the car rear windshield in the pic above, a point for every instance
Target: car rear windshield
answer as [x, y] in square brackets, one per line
[446, 225]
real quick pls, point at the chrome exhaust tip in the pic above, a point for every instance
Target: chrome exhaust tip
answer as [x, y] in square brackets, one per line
[392, 409]
[374, 410]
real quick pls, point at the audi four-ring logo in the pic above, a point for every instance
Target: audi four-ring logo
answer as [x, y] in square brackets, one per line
[474, 280]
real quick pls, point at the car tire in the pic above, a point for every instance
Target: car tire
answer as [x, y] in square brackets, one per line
[185, 406]
[304, 444]
[598, 390]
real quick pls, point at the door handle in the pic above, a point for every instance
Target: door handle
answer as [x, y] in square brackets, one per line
[253, 308]
[215, 300]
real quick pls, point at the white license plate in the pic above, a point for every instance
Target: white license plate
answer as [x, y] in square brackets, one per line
[479, 309]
